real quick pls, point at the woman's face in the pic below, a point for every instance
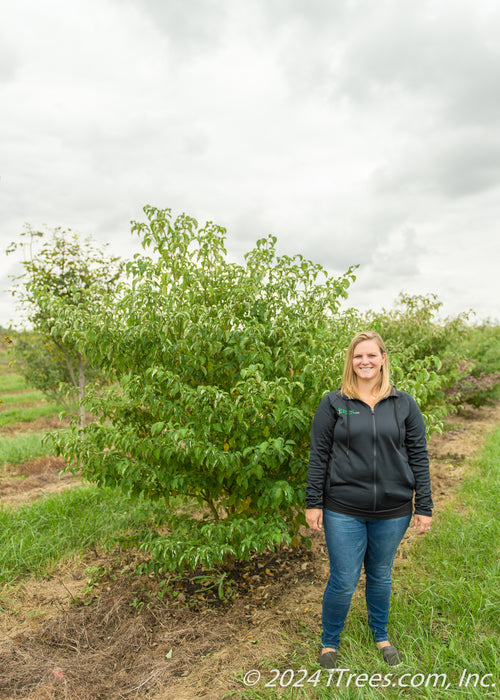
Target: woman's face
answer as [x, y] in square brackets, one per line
[367, 360]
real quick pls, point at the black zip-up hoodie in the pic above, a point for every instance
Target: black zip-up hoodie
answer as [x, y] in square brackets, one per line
[369, 460]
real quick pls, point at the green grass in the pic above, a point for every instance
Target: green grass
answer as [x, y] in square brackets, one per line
[445, 612]
[35, 537]
[18, 449]
[25, 397]
[12, 382]
[27, 414]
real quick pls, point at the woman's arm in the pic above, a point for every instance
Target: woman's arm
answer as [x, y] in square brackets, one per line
[321, 446]
[418, 459]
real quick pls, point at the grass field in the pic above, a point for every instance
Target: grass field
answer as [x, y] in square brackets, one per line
[20, 403]
[27, 397]
[9, 381]
[22, 447]
[35, 537]
[26, 414]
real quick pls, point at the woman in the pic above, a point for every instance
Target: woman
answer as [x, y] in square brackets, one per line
[368, 458]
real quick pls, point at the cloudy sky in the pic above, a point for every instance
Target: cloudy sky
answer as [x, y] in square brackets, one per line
[356, 131]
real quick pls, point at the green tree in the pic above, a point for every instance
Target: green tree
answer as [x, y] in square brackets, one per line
[220, 367]
[76, 274]
[425, 351]
[479, 382]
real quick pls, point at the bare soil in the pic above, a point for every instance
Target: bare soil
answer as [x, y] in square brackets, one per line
[126, 637]
[21, 404]
[37, 425]
[35, 478]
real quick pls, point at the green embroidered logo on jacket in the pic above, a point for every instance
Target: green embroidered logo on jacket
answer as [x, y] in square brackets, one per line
[349, 413]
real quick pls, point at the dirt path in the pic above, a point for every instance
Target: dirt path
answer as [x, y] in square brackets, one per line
[30, 480]
[35, 426]
[119, 640]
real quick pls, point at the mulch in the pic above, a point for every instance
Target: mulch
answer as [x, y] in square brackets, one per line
[130, 635]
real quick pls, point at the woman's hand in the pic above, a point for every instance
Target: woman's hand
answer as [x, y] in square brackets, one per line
[422, 523]
[314, 518]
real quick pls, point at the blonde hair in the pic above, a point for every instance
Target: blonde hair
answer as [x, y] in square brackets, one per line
[350, 381]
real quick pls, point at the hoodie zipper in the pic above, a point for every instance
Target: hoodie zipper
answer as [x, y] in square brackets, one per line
[374, 446]
[374, 460]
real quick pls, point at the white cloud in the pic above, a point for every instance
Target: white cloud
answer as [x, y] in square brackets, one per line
[339, 127]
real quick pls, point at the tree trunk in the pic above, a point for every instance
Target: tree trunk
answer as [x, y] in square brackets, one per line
[211, 505]
[81, 392]
[79, 385]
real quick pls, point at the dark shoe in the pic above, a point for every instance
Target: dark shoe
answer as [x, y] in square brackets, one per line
[328, 660]
[391, 655]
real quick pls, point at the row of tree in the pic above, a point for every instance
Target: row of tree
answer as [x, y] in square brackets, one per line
[202, 375]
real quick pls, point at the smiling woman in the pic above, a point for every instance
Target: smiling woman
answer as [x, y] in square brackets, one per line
[368, 360]
[366, 369]
[368, 459]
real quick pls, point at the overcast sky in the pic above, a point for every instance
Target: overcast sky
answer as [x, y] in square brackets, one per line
[356, 131]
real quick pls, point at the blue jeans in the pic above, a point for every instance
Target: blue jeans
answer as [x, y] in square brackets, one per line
[352, 542]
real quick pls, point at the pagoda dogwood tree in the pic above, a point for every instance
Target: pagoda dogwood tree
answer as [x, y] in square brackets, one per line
[220, 367]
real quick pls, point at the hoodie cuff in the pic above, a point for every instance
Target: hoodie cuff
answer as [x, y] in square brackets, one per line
[423, 511]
